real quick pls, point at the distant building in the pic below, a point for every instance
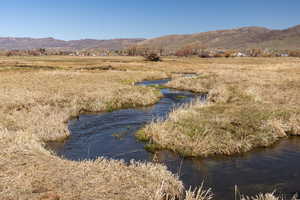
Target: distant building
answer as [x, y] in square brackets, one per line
[239, 54]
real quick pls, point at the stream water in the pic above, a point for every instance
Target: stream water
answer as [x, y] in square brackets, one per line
[111, 135]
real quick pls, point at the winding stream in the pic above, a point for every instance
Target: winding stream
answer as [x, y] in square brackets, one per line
[112, 135]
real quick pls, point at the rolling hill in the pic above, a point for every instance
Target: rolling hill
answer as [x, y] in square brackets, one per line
[247, 37]
[8, 43]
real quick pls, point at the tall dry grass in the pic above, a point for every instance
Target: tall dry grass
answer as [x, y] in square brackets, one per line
[39, 94]
[248, 106]
[28, 171]
[35, 106]
[41, 102]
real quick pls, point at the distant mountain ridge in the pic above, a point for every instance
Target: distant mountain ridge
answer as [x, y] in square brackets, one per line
[246, 37]
[9, 43]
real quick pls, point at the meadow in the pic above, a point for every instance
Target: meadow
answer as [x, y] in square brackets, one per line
[248, 106]
[252, 102]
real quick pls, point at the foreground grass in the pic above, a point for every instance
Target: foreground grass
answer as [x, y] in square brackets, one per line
[248, 107]
[35, 106]
[28, 171]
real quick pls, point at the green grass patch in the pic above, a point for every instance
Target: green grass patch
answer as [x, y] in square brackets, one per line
[152, 147]
[142, 136]
[181, 97]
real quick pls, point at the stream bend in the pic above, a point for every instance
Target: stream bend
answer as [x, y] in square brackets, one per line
[111, 135]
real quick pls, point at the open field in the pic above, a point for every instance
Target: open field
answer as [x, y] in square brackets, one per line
[252, 102]
[169, 64]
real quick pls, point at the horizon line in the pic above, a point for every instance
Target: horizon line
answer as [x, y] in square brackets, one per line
[147, 38]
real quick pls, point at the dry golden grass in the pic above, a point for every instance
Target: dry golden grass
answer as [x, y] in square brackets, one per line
[248, 106]
[39, 94]
[28, 97]
[28, 171]
[267, 196]
[35, 106]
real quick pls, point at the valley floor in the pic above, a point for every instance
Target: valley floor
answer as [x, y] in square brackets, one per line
[252, 102]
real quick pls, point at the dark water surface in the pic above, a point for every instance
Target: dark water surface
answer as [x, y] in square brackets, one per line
[112, 135]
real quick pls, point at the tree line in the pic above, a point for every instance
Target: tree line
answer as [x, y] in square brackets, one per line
[189, 50]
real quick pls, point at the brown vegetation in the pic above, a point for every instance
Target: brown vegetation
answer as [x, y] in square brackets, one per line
[248, 106]
[152, 57]
[295, 53]
[35, 107]
[39, 94]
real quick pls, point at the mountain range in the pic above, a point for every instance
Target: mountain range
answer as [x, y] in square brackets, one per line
[9, 43]
[246, 37]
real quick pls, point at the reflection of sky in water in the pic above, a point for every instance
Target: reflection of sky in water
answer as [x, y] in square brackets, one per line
[111, 135]
[262, 170]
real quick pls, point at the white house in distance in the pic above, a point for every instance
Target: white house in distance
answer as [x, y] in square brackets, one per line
[239, 54]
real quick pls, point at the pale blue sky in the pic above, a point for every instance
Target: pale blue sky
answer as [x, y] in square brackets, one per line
[77, 19]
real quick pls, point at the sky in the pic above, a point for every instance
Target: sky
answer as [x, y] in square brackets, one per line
[107, 19]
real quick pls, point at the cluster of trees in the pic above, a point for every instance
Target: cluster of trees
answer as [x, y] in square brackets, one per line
[39, 52]
[152, 57]
[295, 53]
[255, 52]
[204, 53]
[192, 49]
[44, 52]
[35, 52]
[272, 53]
[135, 50]
[195, 49]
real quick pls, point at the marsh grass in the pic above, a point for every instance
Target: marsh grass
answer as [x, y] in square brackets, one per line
[203, 130]
[35, 107]
[247, 107]
[38, 95]
[33, 172]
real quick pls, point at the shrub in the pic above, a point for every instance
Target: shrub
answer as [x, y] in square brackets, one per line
[152, 57]
[204, 55]
[184, 52]
[295, 53]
